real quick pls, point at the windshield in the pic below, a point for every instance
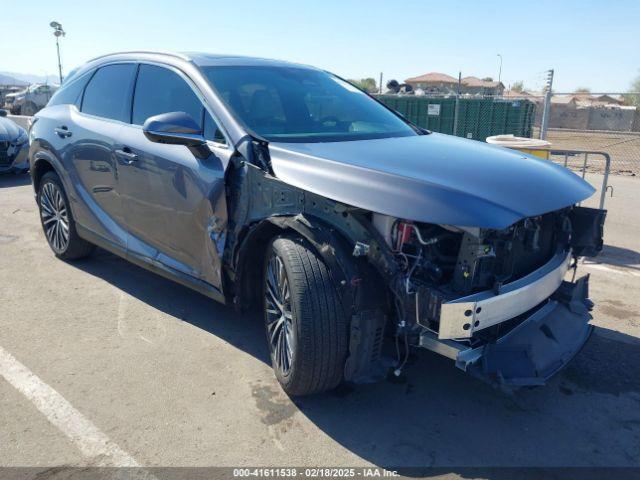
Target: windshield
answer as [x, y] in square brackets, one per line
[292, 104]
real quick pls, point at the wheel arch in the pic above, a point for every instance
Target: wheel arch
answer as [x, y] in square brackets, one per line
[40, 166]
[42, 162]
[331, 245]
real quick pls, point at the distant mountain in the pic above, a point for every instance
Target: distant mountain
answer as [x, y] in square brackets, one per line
[9, 80]
[13, 78]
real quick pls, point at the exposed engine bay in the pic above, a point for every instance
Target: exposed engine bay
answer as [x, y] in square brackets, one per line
[465, 289]
[499, 298]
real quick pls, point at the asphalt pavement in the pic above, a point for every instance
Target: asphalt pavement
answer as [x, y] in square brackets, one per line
[103, 363]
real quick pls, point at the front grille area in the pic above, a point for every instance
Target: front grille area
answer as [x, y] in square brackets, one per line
[4, 154]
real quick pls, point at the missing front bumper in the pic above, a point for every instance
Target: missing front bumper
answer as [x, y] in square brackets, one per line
[535, 349]
[462, 317]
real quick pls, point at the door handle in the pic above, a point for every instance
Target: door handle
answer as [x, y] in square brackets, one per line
[128, 156]
[62, 131]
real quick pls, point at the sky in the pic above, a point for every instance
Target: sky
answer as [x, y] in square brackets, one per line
[588, 43]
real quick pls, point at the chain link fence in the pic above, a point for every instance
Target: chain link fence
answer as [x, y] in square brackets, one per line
[602, 122]
[623, 147]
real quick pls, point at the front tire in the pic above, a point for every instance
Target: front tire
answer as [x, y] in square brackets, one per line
[57, 220]
[307, 329]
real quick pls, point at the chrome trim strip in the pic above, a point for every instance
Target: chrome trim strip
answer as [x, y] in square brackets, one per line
[461, 317]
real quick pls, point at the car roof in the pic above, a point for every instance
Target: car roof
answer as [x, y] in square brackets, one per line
[197, 59]
[201, 59]
[211, 59]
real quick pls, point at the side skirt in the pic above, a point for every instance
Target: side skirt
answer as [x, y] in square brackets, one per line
[152, 265]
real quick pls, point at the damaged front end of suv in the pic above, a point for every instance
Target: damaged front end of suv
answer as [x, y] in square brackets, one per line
[450, 245]
[496, 301]
[283, 187]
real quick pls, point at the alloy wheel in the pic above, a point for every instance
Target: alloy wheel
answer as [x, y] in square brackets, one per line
[279, 318]
[55, 217]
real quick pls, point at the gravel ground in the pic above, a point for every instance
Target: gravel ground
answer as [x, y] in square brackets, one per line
[623, 147]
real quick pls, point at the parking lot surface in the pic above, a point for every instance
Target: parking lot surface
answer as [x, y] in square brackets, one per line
[104, 363]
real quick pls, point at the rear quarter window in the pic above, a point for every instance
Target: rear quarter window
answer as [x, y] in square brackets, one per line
[70, 93]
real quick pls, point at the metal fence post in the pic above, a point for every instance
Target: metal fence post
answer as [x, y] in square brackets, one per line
[457, 106]
[587, 153]
[546, 111]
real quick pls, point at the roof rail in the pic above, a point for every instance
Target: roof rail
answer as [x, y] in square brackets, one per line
[171, 54]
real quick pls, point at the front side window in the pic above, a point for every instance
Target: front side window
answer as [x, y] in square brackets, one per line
[293, 104]
[109, 91]
[160, 90]
[211, 129]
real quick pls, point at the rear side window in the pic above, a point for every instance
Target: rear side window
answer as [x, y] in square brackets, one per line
[108, 93]
[70, 93]
[160, 90]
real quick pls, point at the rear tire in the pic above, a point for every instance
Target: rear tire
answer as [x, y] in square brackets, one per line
[307, 329]
[57, 220]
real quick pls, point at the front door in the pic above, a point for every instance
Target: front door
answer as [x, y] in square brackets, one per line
[171, 199]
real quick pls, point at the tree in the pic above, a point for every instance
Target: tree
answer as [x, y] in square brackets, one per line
[367, 84]
[582, 90]
[487, 79]
[518, 87]
[633, 98]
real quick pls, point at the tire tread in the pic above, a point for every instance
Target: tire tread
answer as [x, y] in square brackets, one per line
[321, 326]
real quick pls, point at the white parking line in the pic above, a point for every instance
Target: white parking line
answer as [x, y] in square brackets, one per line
[93, 444]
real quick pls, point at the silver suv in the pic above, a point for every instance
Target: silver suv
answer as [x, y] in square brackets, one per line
[283, 187]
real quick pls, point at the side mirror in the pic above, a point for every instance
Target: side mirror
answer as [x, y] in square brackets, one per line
[3, 113]
[176, 128]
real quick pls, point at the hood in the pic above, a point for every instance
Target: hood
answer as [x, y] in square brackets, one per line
[431, 178]
[9, 130]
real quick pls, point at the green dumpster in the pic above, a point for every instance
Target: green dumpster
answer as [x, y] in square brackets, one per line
[478, 118]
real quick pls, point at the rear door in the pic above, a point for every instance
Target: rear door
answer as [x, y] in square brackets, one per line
[93, 132]
[171, 198]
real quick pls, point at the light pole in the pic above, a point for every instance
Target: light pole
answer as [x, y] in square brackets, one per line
[500, 71]
[58, 32]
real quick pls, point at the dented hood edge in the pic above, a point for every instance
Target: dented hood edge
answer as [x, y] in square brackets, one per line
[430, 178]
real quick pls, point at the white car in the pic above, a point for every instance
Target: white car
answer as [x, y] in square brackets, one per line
[30, 100]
